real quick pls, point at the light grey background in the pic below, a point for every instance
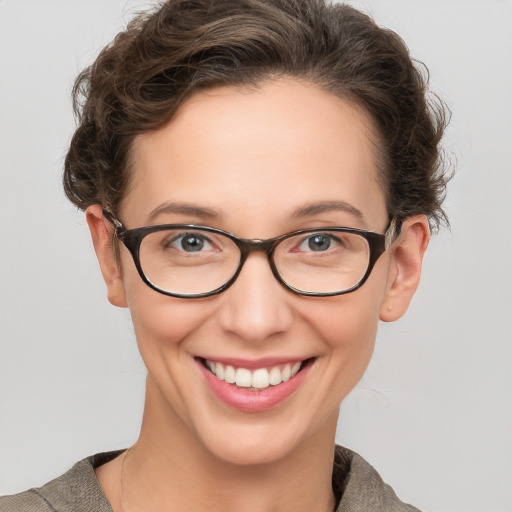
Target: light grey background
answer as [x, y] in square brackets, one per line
[433, 412]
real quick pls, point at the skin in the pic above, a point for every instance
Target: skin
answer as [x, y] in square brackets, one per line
[252, 158]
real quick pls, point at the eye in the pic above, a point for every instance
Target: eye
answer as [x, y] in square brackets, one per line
[321, 242]
[190, 242]
[317, 242]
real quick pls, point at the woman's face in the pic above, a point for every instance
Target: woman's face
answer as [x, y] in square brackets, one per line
[257, 163]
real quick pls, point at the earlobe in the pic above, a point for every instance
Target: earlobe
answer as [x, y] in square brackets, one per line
[405, 267]
[101, 233]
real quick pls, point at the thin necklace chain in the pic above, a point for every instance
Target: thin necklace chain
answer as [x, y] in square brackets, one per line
[121, 489]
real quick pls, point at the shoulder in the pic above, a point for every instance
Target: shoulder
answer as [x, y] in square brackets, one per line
[78, 490]
[360, 487]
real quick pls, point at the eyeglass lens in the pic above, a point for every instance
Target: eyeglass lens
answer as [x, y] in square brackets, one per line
[190, 262]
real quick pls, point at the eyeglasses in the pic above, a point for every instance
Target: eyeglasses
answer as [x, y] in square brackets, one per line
[189, 261]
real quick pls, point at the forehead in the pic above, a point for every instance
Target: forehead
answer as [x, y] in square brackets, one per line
[254, 153]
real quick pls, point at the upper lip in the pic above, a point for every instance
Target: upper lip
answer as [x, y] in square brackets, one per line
[264, 362]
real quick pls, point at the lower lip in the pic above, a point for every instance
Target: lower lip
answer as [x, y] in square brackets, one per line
[249, 400]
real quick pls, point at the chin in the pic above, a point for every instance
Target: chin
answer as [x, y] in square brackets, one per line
[262, 439]
[252, 452]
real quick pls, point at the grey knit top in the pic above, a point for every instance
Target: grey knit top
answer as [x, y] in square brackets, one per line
[357, 487]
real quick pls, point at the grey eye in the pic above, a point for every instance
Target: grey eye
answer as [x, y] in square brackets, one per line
[190, 242]
[319, 242]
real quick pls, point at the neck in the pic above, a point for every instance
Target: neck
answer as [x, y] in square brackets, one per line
[169, 469]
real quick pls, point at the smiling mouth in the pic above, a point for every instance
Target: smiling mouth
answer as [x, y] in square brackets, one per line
[256, 379]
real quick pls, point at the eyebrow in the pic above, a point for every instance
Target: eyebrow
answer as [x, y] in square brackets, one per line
[183, 208]
[304, 211]
[326, 206]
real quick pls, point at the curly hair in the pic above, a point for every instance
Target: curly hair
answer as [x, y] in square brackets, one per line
[139, 81]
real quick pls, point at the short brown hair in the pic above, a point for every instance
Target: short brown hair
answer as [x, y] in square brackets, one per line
[138, 82]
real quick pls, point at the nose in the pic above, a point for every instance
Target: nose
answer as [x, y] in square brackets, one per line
[256, 307]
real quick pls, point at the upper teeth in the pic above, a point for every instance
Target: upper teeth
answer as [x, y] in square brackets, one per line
[260, 378]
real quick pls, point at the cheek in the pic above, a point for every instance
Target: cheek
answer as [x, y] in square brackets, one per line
[348, 321]
[347, 329]
[160, 322]
[164, 321]
[163, 328]
[347, 326]
[349, 339]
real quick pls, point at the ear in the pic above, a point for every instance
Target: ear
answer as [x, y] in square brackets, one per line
[405, 267]
[101, 232]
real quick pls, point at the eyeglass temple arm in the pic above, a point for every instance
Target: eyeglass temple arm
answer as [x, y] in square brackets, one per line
[111, 218]
[392, 232]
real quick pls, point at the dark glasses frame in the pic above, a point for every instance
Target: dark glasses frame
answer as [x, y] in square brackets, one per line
[378, 243]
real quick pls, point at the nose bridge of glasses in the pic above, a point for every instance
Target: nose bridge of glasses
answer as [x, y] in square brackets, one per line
[247, 246]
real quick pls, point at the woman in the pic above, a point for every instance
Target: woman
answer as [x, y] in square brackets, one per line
[259, 180]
